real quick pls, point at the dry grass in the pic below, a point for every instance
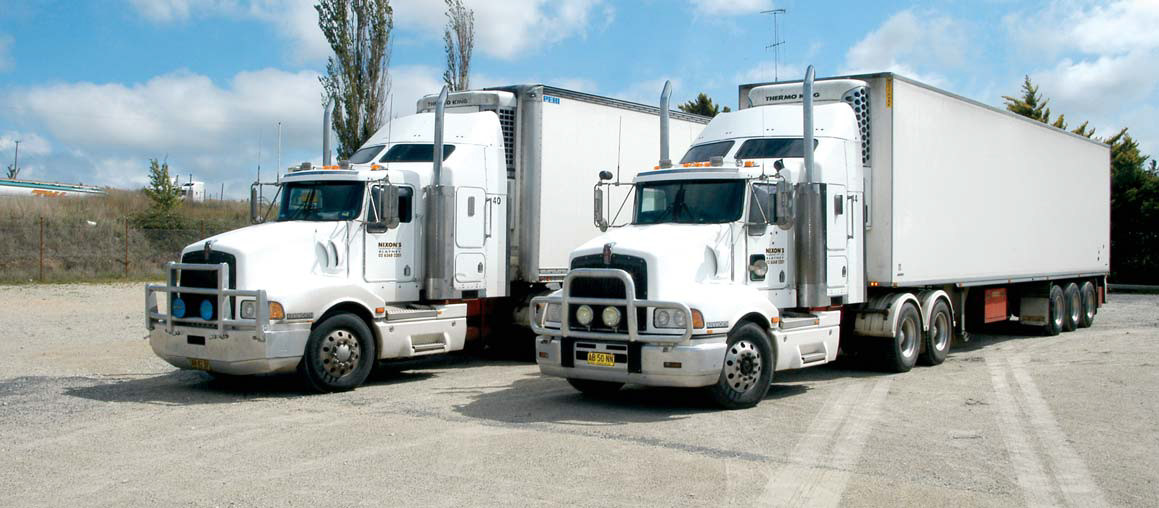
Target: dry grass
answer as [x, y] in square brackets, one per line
[85, 238]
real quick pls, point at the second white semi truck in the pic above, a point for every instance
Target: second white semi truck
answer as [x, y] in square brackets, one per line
[866, 212]
[401, 252]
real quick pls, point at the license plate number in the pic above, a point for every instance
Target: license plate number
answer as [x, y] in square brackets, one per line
[602, 359]
[199, 364]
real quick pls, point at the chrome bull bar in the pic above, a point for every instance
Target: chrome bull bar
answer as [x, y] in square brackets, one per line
[540, 304]
[154, 316]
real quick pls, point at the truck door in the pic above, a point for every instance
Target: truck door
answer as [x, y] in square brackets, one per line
[470, 261]
[837, 214]
[770, 246]
[390, 253]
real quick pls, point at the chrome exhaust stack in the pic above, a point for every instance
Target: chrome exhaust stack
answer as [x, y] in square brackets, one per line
[327, 117]
[665, 96]
[812, 257]
[439, 226]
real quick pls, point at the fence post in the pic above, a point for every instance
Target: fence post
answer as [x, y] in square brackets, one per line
[42, 248]
[126, 248]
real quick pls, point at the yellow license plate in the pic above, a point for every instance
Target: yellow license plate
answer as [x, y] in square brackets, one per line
[199, 364]
[602, 359]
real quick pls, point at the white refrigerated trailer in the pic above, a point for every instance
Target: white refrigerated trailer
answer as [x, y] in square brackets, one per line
[397, 252]
[916, 212]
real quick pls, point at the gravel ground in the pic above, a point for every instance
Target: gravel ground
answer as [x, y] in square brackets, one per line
[88, 416]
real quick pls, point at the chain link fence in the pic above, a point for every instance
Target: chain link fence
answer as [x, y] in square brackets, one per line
[47, 250]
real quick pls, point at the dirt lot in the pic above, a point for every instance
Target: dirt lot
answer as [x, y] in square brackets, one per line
[88, 416]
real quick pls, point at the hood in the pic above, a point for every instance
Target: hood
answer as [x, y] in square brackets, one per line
[679, 251]
[273, 254]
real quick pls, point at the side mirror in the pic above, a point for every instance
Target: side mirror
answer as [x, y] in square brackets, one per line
[786, 205]
[384, 206]
[598, 217]
[255, 204]
[605, 175]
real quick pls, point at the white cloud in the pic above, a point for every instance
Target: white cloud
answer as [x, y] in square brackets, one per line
[505, 29]
[1092, 28]
[294, 20]
[31, 144]
[5, 49]
[730, 7]
[912, 45]
[409, 83]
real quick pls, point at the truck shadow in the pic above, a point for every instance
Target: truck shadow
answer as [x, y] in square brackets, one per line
[540, 399]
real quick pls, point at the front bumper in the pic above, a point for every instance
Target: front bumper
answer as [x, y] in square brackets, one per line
[225, 345]
[699, 361]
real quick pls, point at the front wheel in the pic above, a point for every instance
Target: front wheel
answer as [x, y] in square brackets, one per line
[339, 354]
[747, 370]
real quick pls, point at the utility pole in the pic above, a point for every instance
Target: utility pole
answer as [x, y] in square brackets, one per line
[777, 42]
[15, 163]
[278, 170]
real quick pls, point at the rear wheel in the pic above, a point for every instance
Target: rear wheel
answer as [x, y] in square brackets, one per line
[1090, 304]
[339, 354]
[593, 388]
[937, 339]
[747, 370]
[902, 353]
[1074, 307]
[1056, 312]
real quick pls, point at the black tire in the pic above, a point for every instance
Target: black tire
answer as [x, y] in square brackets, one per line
[1056, 310]
[1074, 307]
[339, 354]
[747, 370]
[901, 353]
[592, 388]
[939, 336]
[1090, 299]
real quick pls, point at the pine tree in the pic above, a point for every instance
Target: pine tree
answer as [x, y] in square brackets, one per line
[702, 105]
[165, 197]
[1031, 104]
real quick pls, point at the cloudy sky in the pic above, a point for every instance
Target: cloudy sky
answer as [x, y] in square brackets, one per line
[93, 89]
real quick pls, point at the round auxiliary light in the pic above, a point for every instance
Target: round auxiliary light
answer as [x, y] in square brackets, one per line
[179, 308]
[206, 310]
[611, 317]
[584, 315]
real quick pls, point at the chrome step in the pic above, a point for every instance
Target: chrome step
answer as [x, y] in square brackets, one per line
[813, 358]
[422, 348]
[790, 323]
[395, 313]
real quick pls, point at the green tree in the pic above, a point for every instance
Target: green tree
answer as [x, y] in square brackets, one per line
[702, 105]
[165, 198]
[356, 75]
[1031, 104]
[459, 41]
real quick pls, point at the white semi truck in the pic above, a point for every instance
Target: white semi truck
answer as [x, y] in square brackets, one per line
[397, 253]
[867, 212]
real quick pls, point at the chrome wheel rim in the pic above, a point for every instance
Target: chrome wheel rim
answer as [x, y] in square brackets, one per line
[340, 353]
[907, 338]
[941, 331]
[1056, 311]
[742, 366]
[1076, 305]
[1089, 305]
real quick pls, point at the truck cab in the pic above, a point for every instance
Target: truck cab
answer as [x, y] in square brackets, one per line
[712, 282]
[335, 278]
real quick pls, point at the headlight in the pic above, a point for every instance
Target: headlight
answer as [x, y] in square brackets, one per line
[661, 318]
[249, 310]
[611, 317]
[758, 268]
[678, 319]
[672, 318]
[178, 308]
[553, 312]
[584, 315]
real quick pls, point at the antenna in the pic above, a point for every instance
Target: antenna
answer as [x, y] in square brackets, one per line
[259, 166]
[390, 119]
[619, 143]
[777, 42]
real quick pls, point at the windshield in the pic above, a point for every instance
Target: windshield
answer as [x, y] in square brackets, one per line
[415, 153]
[773, 148]
[705, 152]
[689, 201]
[320, 201]
[365, 155]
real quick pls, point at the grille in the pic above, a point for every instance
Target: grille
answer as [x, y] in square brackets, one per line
[610, 288]
[858, 99]
[206, 280]
[507, 123]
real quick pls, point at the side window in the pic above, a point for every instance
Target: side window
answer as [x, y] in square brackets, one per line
[763, 203]
[405, 204]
